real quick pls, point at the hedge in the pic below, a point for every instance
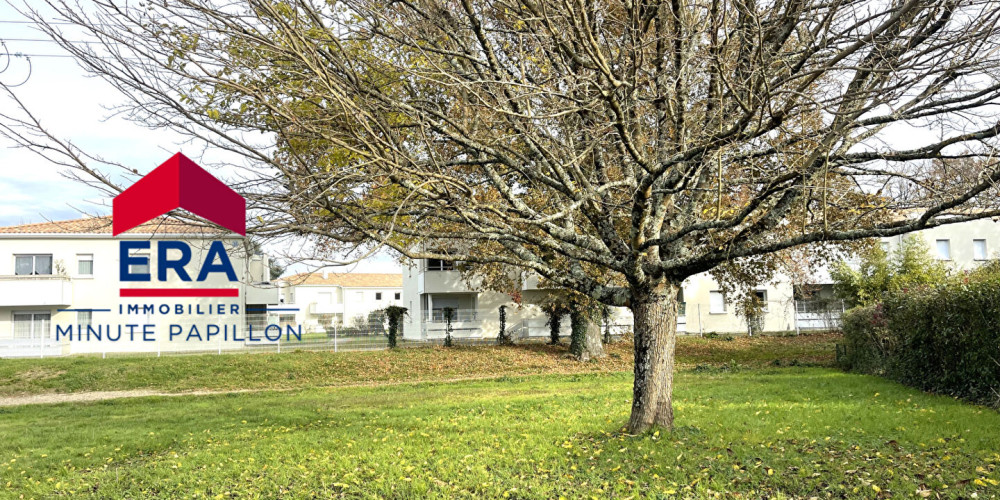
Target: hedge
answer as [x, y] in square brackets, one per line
[943, 339]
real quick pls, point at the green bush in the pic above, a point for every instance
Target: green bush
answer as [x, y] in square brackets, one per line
[878, 273]
[866, 339]
[941, 339]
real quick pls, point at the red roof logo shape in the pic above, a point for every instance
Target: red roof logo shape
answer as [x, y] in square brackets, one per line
[179, 183]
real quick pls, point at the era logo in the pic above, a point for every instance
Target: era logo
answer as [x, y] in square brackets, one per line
[178, 183]
[217, 251]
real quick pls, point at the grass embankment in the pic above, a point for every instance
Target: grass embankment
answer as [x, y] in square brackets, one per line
[322, 368]
[768, 432]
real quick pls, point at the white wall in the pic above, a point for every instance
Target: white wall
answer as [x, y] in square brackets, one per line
[312, 300]
[101, 289]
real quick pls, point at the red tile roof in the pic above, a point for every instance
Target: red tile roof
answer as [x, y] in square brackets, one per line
[102, 225]
[349, 280]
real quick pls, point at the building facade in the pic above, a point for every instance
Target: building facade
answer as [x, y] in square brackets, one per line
[429, 286]
[323, 300]
[67, 273]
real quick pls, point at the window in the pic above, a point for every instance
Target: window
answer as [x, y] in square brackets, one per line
[31, 325]
[762, 299]
[440, 265]
[397, 296]
[84, 318]
[979, 249]
[139, 268]
[944, 249]
[85, 264]
[26, 265]
[378, 295]
[716, 302]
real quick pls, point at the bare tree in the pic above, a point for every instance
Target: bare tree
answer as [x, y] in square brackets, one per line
[614, 147]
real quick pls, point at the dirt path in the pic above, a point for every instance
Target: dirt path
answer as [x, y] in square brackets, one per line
[83, 397]
[90, 396]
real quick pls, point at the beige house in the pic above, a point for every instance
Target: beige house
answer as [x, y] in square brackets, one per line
[61, 274]
[321, 300]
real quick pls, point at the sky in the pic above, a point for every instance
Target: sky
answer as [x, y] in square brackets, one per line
[77, 108]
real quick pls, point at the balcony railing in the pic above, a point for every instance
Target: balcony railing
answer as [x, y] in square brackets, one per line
[437, 315]
[35, 290]
[320, 308]
[819, 306]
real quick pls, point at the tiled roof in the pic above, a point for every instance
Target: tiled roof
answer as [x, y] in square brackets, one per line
[102, 225]
[348, 280]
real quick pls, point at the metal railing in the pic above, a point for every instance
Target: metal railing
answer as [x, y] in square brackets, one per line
[438, 316]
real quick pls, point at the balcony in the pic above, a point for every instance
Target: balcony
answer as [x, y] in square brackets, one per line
[441, 282]
[530, 282]
[20, 291]
[465, 323]
[261, 294]
[437, 315]
[318, 308]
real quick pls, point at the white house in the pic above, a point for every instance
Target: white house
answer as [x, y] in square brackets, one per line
[66, 273]
[431, 285]
[961, 246]
[323, 299]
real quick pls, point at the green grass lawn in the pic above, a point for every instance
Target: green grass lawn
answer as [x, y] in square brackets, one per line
[313, 369]
[764, 432]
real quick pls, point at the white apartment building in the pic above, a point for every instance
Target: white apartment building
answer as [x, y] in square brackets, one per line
[429, 286]
[67, 273]
[322, 300]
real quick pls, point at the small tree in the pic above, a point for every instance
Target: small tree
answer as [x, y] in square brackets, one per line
[449, 315]
[395, 315]
[503, 337]
[751, 309]
[376, 321]
[554, 309]
[879, 272]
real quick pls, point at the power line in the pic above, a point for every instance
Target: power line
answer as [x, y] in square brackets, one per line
[8, 21]
[21, 54]
[49, 40]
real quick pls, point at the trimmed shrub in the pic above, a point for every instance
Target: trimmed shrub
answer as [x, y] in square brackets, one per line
[943, 339]
[395, 315]
[866, 339]
[449, 315]
[504, 337]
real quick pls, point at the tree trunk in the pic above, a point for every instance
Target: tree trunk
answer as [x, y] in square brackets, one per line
[593, 346]
[655, 330]
[586, 338]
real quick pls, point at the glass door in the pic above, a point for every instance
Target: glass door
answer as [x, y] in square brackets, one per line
[32, 325]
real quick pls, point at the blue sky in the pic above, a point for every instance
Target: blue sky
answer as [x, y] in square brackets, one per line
[76, 108]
